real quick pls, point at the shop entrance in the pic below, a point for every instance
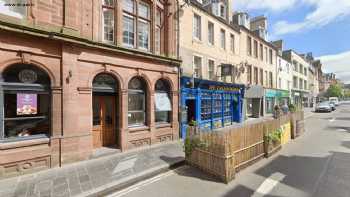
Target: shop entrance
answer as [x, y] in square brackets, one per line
[104, 107]
[104, 121]
[191, 111]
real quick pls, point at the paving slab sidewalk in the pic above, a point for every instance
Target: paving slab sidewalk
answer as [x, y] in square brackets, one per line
[95, 177]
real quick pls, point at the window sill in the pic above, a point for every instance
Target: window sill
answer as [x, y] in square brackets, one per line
[23, 143]
[162, 125]
[138, 128]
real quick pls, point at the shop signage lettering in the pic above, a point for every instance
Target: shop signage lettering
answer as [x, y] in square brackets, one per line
[223, 88]
[27, 104]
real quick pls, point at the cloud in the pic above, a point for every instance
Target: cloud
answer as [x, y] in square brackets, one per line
[339, 64]
[325, 12]
[270, 5]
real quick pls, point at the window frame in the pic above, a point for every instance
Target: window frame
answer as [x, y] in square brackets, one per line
[144, 93]
[9, 87]
[168, 91]
[223, 39]
[211, 38]
[232, 39]
[194, 66]
[198, 29]
[209, 71]
[108, 7]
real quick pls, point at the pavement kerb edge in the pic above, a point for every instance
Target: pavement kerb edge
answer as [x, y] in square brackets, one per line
[131, 180]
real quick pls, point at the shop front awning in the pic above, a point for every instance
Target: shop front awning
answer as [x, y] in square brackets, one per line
[162, 102]
[255, 91]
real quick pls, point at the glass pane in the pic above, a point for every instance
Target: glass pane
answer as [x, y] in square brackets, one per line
[96, 112]
[108, 2]
[162, 116]
[136, 118]
[109, 111]
[10, 105]
[104, 80]
[143, 10]
[128, 31]
[143, 33]
[15, 11]
[136, 102]
[108, 24]
[128, 5]
[28, 127]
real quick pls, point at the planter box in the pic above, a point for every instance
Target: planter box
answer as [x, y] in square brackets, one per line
[271, 148]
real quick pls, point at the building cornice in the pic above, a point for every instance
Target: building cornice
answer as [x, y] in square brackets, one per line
[58, 36]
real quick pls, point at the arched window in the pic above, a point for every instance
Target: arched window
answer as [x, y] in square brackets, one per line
[26, 98]
[162, 102]
[137, 102]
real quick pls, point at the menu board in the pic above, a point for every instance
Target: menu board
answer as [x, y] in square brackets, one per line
[27, 104]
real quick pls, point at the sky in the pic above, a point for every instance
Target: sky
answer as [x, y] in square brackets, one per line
[318, 26]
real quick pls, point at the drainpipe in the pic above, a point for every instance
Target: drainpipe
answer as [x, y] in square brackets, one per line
[179, 67]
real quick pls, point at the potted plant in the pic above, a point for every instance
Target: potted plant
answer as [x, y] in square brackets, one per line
[272, 140]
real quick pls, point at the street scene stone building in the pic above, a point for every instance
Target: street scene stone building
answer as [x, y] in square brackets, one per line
[81, 77]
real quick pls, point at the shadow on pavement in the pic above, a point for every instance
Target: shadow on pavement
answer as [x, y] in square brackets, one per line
[242, 191]
[300, 172]
[346, 144]
[339, 128]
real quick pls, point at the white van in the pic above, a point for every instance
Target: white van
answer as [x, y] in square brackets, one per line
[335, 100]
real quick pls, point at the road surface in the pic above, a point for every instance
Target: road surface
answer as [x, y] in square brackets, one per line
[316, 164]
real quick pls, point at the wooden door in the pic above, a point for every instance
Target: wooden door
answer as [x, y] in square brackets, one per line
[104, 121]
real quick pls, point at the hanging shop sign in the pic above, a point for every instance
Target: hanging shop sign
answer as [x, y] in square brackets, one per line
[27, 104]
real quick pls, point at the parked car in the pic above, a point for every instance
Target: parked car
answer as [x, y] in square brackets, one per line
[335, 100]
[324, 106]
[332, 104]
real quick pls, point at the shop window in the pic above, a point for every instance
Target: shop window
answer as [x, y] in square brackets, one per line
[162, 106]
[270, 105]
[137, 102]
[26, 101]
[11, 8]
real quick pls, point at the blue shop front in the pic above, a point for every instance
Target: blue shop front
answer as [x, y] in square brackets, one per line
[211, 104]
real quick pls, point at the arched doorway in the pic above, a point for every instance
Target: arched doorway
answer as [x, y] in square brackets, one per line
[25, 96]
[104, 103]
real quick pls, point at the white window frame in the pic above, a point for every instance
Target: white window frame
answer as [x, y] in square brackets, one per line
[223, 39]
[213, 36]
[194, 33]
[210, 59]
[194, 68]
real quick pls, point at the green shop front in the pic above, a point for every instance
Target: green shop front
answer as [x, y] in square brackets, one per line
[275, 97]
[210, 104]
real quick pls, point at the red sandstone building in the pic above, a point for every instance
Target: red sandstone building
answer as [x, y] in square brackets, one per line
[78, 75]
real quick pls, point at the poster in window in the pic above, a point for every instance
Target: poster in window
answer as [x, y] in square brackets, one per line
[27, 104]
[162, 102]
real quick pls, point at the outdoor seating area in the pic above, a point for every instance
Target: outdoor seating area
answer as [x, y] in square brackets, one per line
[226, 151]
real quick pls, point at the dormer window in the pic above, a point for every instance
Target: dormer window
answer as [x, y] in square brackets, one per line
[222, 11]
